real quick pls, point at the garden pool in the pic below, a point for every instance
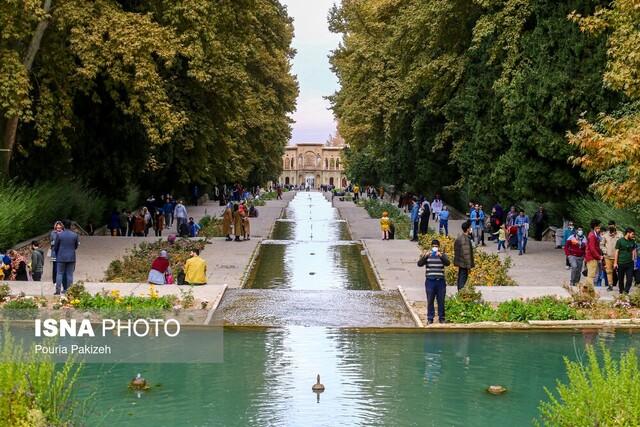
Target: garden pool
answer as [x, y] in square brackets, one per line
[372, 377]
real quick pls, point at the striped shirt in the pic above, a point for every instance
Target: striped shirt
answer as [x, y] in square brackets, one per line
[434, 265]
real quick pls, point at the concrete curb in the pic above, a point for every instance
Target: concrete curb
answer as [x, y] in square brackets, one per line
[414, 315]
[215, 304]
[249, 267]
[372, 264]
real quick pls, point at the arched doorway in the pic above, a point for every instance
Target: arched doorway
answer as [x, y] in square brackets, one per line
[286, 181]
[331, 181]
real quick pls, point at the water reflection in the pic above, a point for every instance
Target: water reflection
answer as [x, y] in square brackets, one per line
[372, 379]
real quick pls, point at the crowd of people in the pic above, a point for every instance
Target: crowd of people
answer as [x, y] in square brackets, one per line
[605, 256]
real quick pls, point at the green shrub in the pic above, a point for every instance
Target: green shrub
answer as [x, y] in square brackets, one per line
[33, 390]
[29, 210]
[20, 308]
[212, 227]
[544, 308]
[466, 307]
[597, 393]
[134, 267]
[634, 297]
[375, 208]
[583, 209]
[460, 311]
[489, 269]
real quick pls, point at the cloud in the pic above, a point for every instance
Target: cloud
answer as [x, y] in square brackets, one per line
[314, 42]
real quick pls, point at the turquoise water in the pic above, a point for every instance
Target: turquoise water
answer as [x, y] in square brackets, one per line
[371, 379]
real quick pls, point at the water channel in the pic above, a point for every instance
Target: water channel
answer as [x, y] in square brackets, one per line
[374, 377]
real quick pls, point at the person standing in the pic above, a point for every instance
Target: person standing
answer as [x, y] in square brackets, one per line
[609, 241]
[463, 254]
[158, 222]
[148, 220]
[425, 214]
[57, 229]
[415, 219]
[194, 228]
[356, 193]
[279, 193]
[195, 269]
[593, 255]
[522, 223]
[575, 248]
[138, 224]
[37, 261]
[540, 220]
[436, 207]
[624, 262]
[237, 222]
[227, 221]
[114, 223]
[477, 223]
[65, 249]
[180, 214]
[435, 284]
[123, 219]
[511, 217]
[444, 221]
[167, 208]
[501, 237]
[385, 225]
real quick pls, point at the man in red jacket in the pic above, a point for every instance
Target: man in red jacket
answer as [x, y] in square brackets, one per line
[575, 248]
[593, 254]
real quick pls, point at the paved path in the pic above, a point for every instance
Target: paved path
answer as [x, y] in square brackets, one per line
[541, 271]
[227, 261]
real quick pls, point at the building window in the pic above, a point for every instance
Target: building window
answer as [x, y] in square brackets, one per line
[332, 163]
[326, 163]
[331, 181]
[337, 163]
[286, 163]
[286, 181]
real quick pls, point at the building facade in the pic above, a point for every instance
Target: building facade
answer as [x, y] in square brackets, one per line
[313, 165]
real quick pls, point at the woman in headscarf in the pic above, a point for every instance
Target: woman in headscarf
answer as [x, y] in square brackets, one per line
[227, 220]
[237, 222]
[160, 269]
[18, 266]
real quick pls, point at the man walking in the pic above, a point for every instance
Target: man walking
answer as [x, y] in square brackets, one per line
[522, 222]
[37, 261]
[574, 249]
[626, 254]
[180, 214]
[477, 223]
[65, 250]
[435, 285]
[609, 241]
[463, 255]
[593, 255]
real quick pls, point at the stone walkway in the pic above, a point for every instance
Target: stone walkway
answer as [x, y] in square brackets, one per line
[541, 271]
[227, 262]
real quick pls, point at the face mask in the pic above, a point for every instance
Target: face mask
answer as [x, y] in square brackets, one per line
[434, 249]
[580, 233]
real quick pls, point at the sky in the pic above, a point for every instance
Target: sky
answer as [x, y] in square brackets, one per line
[313, 42]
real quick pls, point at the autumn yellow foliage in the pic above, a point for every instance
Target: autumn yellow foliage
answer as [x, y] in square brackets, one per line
[489, 269]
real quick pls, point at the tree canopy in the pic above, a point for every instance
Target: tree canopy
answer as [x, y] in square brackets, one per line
[476, 95]
[160, 92]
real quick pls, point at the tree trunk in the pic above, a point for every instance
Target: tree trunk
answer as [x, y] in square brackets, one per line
[11, 124]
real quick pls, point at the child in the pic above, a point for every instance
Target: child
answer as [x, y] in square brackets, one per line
[502, 237]
[444, 221]
[385, 225]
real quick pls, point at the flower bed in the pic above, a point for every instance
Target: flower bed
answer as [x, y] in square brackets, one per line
[402, 222]
[134, 267]
[489, 269]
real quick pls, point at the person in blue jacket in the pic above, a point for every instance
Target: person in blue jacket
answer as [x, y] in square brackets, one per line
[444, 221]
